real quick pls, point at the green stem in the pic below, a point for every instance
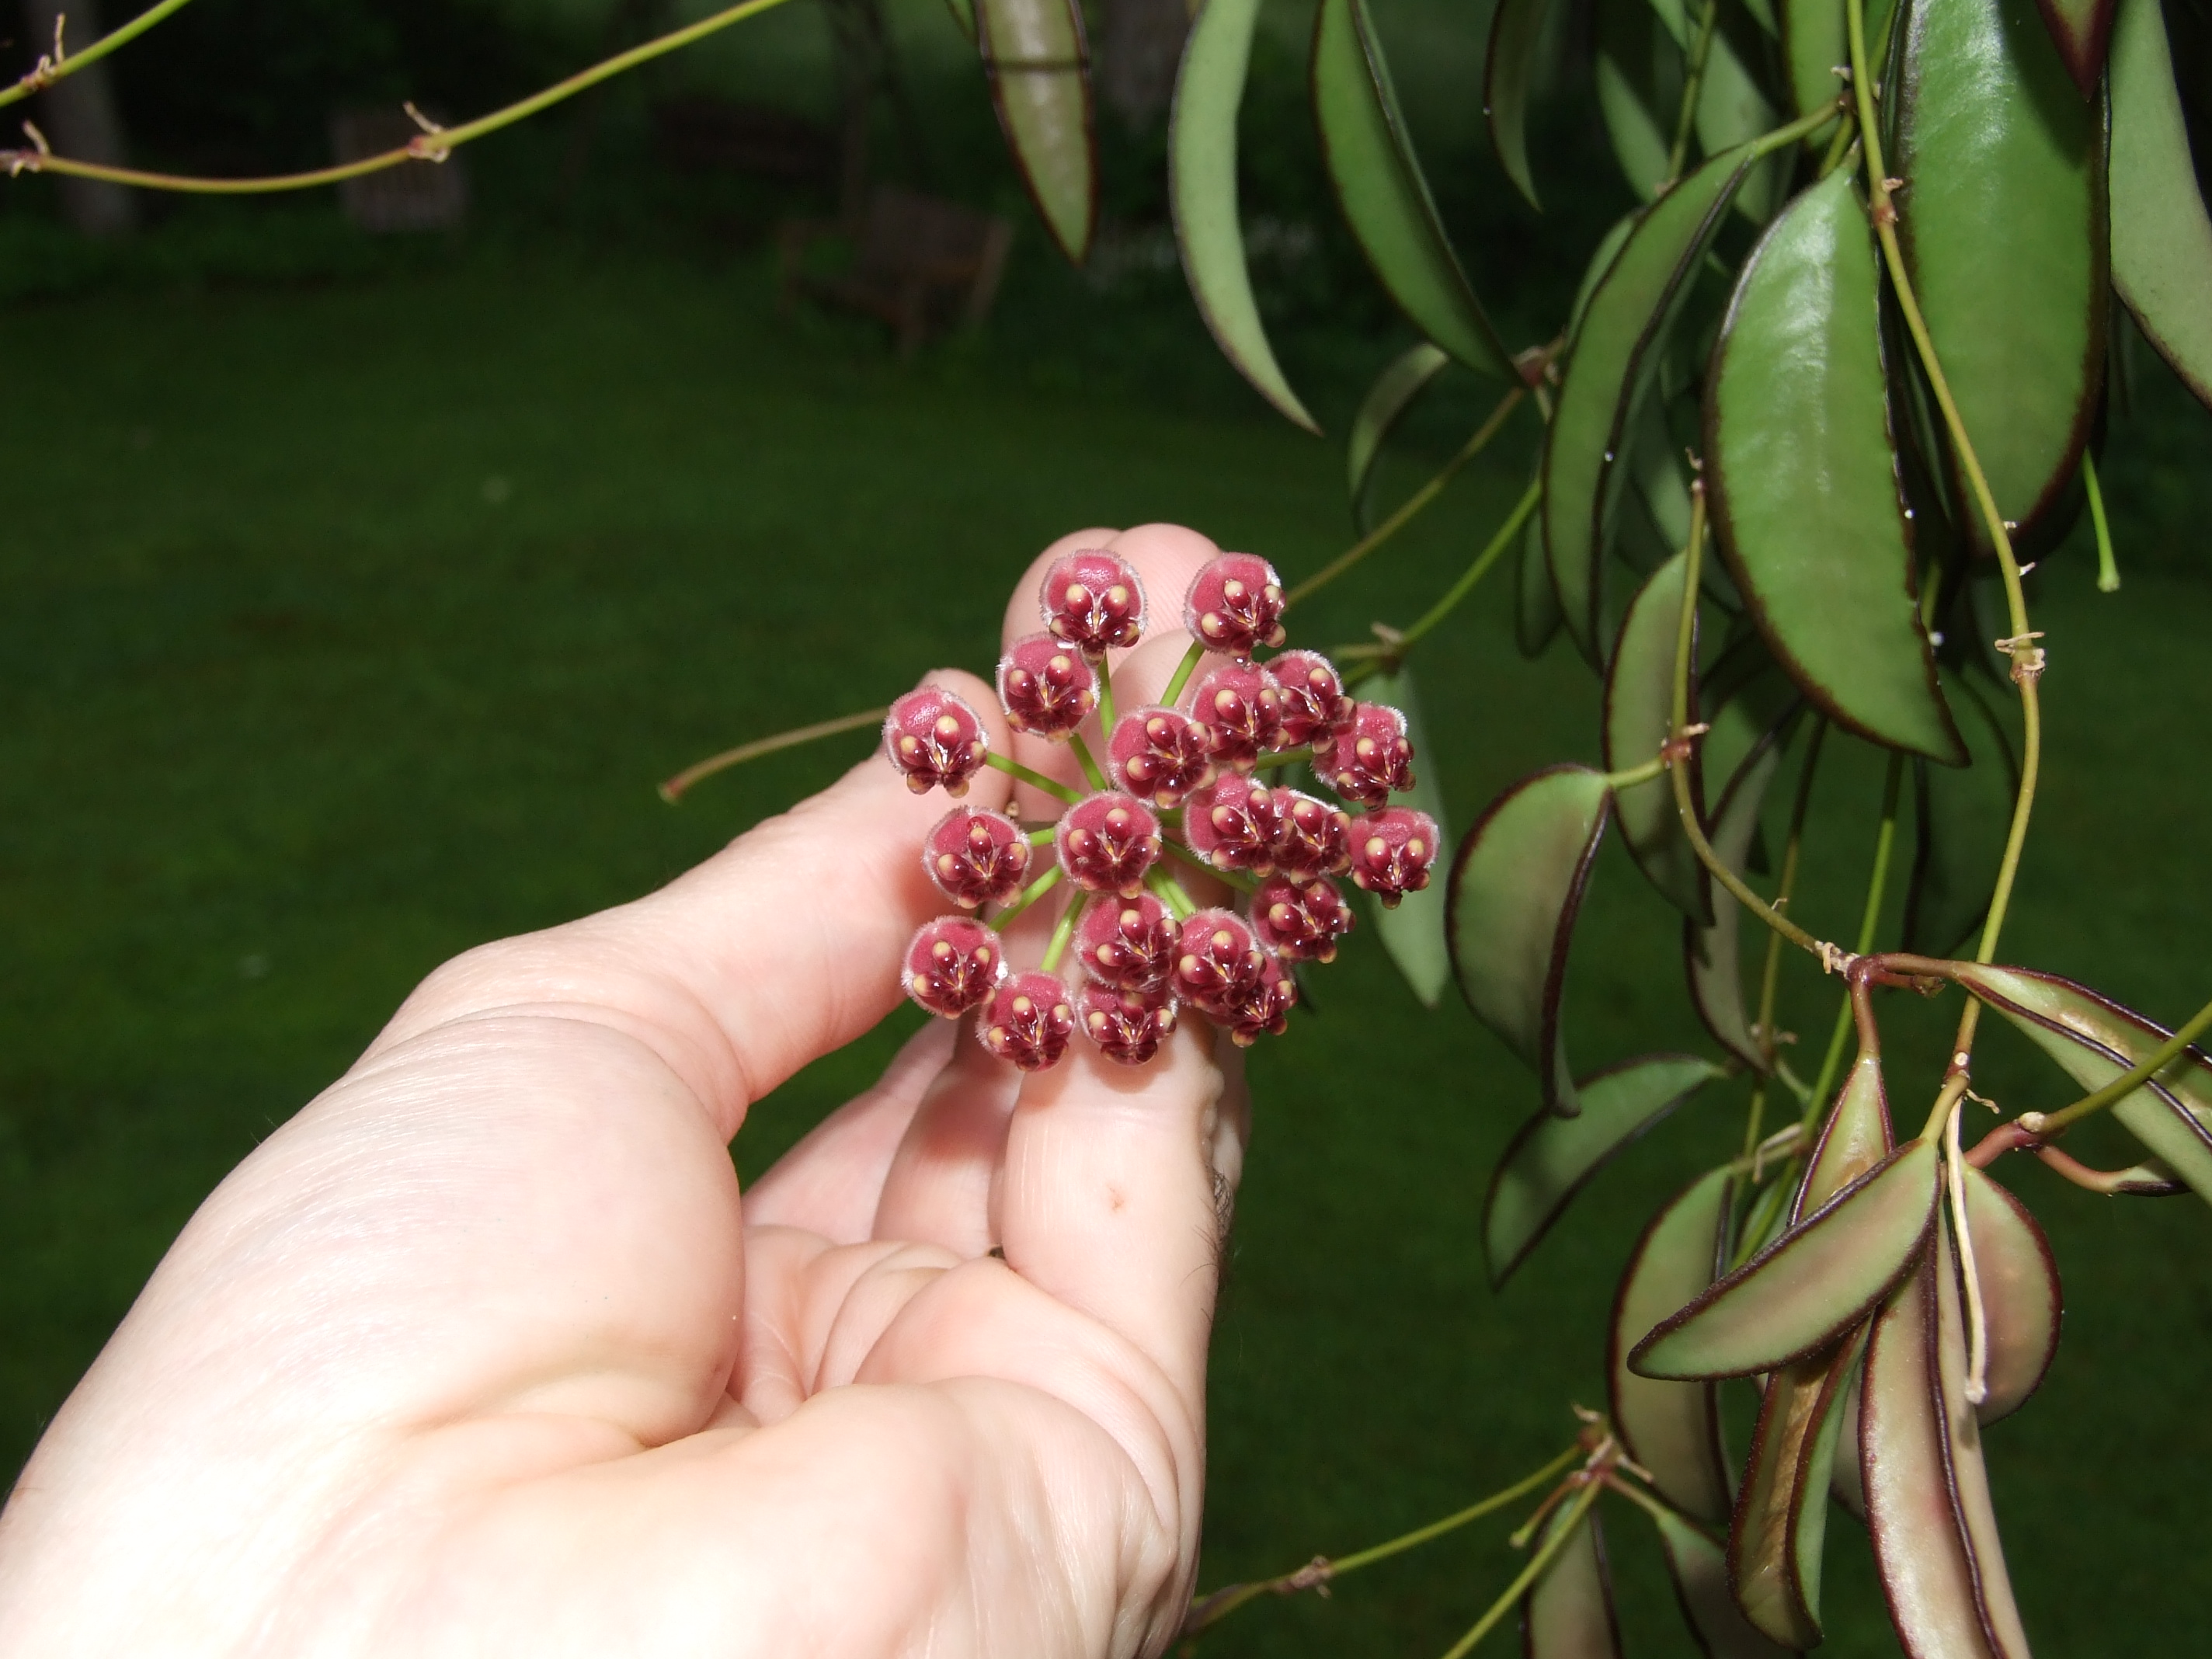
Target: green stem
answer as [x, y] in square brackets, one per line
[1410, 507]
[2044, 1124]
[1180, 904]
[1105, 696]
[1885, 842]
[1014, 768]
[1030, 894]
[1693, 82]
[1651, 769]
[1281, 758]
[430, 147]
[1554, 1543]
[1089, 762]
[1063, 930]
[2108, 568]
[1237, 878]
[1044, 837]
[1770, 975]
[1474, 573]
[50, 71]
[672, 791]
[1180, 678]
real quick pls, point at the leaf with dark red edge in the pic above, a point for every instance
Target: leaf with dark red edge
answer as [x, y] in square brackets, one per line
[1637, 74]
[2095, 1039]
[1393, 392]
[1385, 199]
[1639, 689]
[2022, 1301]
[1536, 601]
[1808, 1287]
[1699, 1569]
[1609, 374]
[1961, 818]
[2161, 233]
[2082, 29]
[1803, 481]
[1039, 66]
[1855, 1138]
[1551, 1158]
[1413, 932]
[1844, 1483]
[1927, 1493]
[1673, 1429]
[1600, 261]
[1202, 193]
[2002, 221]
[1711, 955]
[1568, 1612]
[1515, 890]
[1782, 1510]
[1516, 37]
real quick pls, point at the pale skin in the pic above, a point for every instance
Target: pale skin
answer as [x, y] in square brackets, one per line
[484, 1353]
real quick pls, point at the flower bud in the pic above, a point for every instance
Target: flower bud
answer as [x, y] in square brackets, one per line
[1264, 1008]
[1128, 944]
[1091, 600]
[1159, 755]
[1046, 686]
[1392, 852]
[1372, 756]
[1107, 841]
[1300, 919]
[1127, 1025]
[1234, 824]
[1029, 1021]
[935, 738]
[977, 857]
[1309, 700]
[1235, 605]
[1218, 963]
[952, 965]
[1312, 839]
[1241, 711]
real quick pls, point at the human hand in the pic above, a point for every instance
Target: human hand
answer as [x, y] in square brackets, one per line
[478, 1354]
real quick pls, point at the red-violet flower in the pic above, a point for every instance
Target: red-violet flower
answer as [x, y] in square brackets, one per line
[1392, 852]
[1313, 839]
[1029, 1021]
[952, 965]
[1300, 919]
[1160, 754]
[977, 857]
[1107, 841]
[1219, 963]
[1241, 710]
[935, 738]
[1372, 756]
[1235, 605]
[1046, 686]
[1092, 599]
[1127, 1025]
[1234, 824]
[1264, 1008]
[1309, 699]
[1129, 945]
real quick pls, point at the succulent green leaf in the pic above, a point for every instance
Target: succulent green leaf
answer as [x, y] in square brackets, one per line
[2095, 1039]
[1600, 261]
[1814, 46]
[1699, 1569]
[1609, 374]
[1536, 601]
[1782, 1512]
[1711, 954]
[1548, 1162]
[1846, 1484]
[1516, 887]
[2081, 29]
[1202, 192]
[2002, 221]
[1413, 932]
[1856, 1137]
[1804, 483]
[2162, 235]
[1639, 689]
[1631, 47]
[1385, 199]
[1568, 1612]
[1673, 1429]
[1927, 1491]
[1962, 817]
[1516, 36]
[1732, 110]
[2022, 1300]
[963, 16]
[1393, 392]
[1816, 1281]
[1039, 66]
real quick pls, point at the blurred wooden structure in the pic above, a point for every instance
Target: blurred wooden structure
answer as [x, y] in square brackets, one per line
[919, 263]
[417, 196]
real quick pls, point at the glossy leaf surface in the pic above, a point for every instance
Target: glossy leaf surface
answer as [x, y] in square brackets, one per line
[2095, 1039]
[1810, 1286]
[1568, 1612]
[1516, 35]
[1855, 1138]
[1516, 887]
[2003, 223]
[1639, 689]
[1960, 818]
[1803, 483]
[1413, 932]
[1551, 1158]
[1535, 602]
[1711, 955]
[1699, 1569]
[1039, 68]
[1387, 401]
[1202, 192]
[2161, 236]
[1623, 332]
[2020, 1294]
[1673, 1429]
[1781, 1515]
[1385, 199]
[1813, 45]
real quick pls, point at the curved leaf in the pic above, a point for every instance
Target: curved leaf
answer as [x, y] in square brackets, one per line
[1039, 67]
[1202, 193]
[2095, 1039]
[1711, 955]
[2022, 1301]
[1616, 354]
[1536, 601]
[1385, 199]
[1516, 887]
[2003, 219]
[1699, 1569]
[963, 16]
[1814, 46]
[1413, 932]
[1387, 401]
[1961, 820]
[1813, 1284]
[1639, 690]
[1733, 110]
[1804, 485]
[1548, 1162]
[1844, 1483]
[1673, 1429]
[2081, 29]
[1856, 1137]
[2162, 235]
[1781, 1512]
[1600, 261]
[1516, 35]
[1568, 1612]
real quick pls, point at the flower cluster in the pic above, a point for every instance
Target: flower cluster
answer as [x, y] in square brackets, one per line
[1187, 778]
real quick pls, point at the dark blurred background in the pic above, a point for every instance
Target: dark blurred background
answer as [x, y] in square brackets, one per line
[359, 586]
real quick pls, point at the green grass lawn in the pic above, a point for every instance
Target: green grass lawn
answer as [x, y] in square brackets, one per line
[347, 628]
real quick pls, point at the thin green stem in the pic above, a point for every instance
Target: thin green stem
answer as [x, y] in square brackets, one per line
[672, 791]
[431, 146]
[1087, 761]
[1554, 1543]
[1237, 878]
[1014, 768]
[1030, 894]
[2108, 568]
[1180, 678]
[1701, 50]
[1410, 507]
[1063, 930]
[1770, 975]
[1651, 769]
[2045, 1124]
[1281, 758]
[1044, 837]
[1885, 842]
[1474, 573]
[62, 65]
[1180, 904]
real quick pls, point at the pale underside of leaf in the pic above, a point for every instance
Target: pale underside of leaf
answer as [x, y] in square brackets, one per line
[1413, 932]
[1568, 1612]
[2162, 234]
[1039, 67]
[1711, 956]
[1673, 1429]
[1780, 1514]
[1639, 686]
[1698, 1567]
[2021, 1298]
[1394, 392]
[1536, 601]
[1856, 1137]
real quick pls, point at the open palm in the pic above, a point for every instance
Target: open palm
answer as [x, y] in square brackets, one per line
[480, 1353]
